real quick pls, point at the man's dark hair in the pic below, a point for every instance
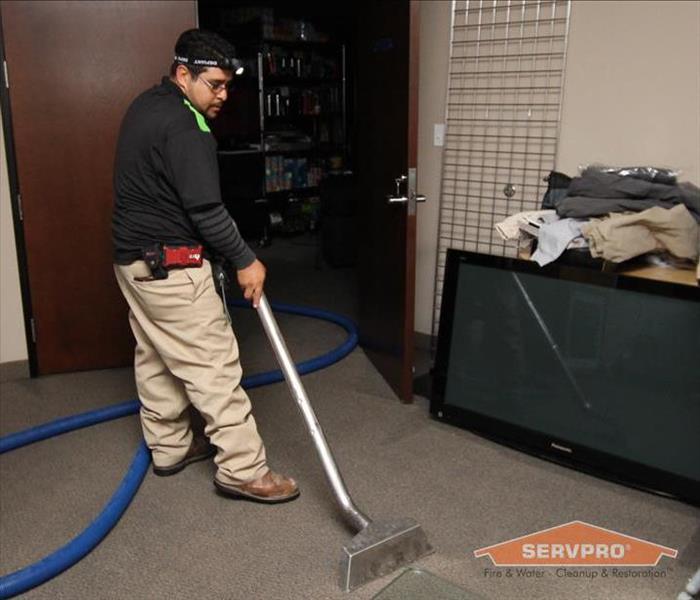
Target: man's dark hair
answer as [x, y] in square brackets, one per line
[200, 44]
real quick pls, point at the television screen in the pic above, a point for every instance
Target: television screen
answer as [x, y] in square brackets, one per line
[572, 364]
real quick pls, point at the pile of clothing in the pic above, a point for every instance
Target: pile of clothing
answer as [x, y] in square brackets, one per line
[618, 213]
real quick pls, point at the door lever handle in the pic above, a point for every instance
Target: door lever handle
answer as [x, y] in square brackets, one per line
[403, 199]
[397, 198]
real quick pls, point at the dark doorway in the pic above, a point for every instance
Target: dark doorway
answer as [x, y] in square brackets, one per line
[330, 88]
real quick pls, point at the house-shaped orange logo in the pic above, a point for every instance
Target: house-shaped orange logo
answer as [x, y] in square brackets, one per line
[576, 544]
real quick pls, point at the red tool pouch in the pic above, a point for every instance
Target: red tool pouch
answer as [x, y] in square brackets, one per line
[178, 257]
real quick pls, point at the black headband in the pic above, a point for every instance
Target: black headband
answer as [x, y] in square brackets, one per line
[227, 63]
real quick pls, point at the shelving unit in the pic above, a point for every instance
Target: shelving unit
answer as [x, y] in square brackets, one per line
[301, 108]
[239, 152]
[291, 92]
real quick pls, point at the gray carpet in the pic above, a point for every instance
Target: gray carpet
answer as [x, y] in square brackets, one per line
[179, 539]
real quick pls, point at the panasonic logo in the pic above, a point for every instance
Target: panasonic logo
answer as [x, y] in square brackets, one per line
[573, 551]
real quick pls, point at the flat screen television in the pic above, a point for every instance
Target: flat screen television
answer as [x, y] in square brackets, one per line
[594, 370]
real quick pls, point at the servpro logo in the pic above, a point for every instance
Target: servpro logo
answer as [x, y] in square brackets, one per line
[576, 544]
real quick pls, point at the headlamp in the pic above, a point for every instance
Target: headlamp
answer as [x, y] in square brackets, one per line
[227, 63]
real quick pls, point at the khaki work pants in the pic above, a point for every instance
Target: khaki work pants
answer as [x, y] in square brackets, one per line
[186, 353]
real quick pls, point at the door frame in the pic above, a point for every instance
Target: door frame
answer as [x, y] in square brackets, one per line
[412, 190]
[15, 202]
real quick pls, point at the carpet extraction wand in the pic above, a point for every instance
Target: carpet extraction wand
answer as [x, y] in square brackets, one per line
[379, 547]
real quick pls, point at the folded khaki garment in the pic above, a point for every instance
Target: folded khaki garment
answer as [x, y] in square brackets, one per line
[622, 237]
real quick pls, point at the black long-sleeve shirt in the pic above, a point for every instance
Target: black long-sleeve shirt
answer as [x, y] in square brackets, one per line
[166, 181]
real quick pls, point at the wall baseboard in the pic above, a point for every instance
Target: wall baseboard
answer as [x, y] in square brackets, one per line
[12, 370]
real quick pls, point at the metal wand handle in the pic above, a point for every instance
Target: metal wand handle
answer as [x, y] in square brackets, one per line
[353, 515]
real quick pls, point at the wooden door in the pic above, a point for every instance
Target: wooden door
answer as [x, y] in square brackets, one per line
[73, 68]
[387, 115]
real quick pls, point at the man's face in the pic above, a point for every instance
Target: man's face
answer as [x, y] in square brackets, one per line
[207, 92]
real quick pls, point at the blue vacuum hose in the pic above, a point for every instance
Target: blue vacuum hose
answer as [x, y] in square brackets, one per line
[66, 556]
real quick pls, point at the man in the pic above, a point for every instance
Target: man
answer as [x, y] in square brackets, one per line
[168, 201]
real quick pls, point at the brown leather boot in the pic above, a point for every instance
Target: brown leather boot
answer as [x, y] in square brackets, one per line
[271, 488]
[200, 449]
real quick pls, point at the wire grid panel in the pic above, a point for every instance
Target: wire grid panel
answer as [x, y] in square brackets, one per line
[506, 72]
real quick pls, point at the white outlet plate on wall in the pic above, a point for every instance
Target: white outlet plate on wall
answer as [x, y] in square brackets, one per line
[439, 134]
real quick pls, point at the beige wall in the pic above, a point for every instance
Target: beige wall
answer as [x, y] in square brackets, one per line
[13, 345]
[632, 90]
[631, 96]
[435, 20]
